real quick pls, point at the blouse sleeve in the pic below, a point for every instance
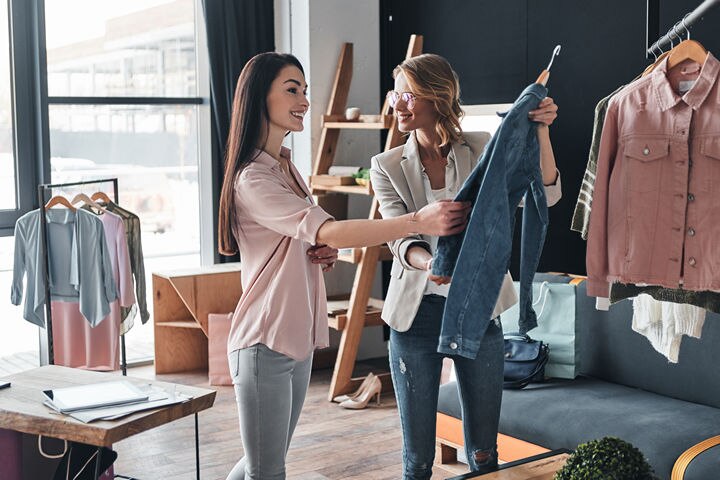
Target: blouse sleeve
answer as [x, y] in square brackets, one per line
[278, 208]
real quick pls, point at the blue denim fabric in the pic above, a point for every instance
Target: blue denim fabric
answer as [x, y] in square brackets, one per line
[478, 258]
[416, 365]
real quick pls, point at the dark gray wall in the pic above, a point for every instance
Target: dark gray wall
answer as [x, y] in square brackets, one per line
[497, 48]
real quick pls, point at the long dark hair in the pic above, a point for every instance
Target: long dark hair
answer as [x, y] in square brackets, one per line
[249, 116]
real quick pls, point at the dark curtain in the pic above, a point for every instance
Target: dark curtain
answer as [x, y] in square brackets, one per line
[236, 31]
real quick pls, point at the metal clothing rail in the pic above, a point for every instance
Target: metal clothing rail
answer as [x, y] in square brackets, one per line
[682, 26]
[42, 189]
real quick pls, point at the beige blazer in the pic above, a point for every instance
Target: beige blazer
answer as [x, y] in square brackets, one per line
[397, 180]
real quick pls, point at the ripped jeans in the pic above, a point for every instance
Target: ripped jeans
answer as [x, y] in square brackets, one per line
[416, 366]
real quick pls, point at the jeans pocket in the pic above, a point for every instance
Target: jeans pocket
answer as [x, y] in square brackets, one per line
[234, 363]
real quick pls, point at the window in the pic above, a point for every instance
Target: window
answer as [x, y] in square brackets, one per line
[124, 100]
[8, 181]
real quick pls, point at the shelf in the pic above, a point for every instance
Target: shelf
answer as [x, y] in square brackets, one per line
[354, 255]
[331, 180]
[357, 189]
[338, 321]
[181, 324]
[365, 122]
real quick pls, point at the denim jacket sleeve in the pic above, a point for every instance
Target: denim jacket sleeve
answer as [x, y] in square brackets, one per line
[553, 192]
[391, 205]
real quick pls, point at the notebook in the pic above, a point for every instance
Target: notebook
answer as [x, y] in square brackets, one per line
[82, 397]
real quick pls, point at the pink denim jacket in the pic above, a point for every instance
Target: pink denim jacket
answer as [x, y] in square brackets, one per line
[283, 304]
[656, 208]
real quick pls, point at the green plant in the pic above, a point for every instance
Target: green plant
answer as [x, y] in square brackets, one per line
[608, 458]
[363, 173]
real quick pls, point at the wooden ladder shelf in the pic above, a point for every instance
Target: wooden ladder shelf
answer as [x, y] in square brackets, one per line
[351, 315]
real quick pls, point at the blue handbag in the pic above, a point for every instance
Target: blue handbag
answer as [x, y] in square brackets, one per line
[558, 299]
[525, 361]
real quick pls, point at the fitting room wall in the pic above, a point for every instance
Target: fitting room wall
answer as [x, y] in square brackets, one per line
[497, 48]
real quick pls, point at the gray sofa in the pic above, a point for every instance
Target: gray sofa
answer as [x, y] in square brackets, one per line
[626, 390]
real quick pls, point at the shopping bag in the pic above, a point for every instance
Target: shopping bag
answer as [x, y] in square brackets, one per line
[555, 303]
[43, 457]
[10, 455]
[218, 331]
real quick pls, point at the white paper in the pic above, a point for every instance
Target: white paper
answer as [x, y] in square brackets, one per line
[114, 413]
[94, 395]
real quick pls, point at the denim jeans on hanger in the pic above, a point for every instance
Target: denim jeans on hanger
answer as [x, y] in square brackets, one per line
[478, 258]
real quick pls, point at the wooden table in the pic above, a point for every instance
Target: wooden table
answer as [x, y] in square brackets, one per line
[22, 409]
[538, 467]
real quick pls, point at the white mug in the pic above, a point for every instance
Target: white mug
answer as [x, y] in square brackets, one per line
[352, 113]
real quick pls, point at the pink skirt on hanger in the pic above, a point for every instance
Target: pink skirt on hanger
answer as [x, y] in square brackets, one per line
[79, 345]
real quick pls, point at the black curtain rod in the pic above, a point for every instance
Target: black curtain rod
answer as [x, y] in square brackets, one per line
[686, 22]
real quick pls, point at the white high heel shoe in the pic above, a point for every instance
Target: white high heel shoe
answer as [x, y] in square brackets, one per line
[363, 385]
[361, 401]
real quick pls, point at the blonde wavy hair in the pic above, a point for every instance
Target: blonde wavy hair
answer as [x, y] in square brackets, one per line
[432, 78]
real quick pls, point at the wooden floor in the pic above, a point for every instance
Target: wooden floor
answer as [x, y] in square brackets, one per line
[329, 442]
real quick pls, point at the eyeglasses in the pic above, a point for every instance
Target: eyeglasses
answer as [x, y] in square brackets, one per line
[407, 97]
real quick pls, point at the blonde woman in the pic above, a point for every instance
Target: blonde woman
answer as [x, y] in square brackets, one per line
[431, 167]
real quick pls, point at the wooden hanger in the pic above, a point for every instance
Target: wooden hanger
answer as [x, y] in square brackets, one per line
[545, 74]
[60, 200]
[657, 62]
[84, 198]
[101, 196]
[687, 50]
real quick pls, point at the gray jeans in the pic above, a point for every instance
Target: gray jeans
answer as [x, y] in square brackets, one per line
[270, 390]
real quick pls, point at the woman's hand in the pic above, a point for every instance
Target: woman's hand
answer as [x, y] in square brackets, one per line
[323, 254]
[438, 279]
[546, 113]
[444, 217]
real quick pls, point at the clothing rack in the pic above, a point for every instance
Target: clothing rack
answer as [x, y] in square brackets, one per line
[682, 26]
[42, 189]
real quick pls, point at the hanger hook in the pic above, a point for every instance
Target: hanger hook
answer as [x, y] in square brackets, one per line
[656, 47]
[674, 29]
[687, 30]
[555, 53]
[670, 39]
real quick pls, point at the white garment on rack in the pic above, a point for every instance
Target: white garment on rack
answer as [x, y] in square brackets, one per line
[664, 323]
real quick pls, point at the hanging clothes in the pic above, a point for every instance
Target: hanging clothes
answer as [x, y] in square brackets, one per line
[665, 323]
[137, 265]
[658, 164]
[83, 278]
[583, 206]
[508, 170]
[78, 344]
[703, 299]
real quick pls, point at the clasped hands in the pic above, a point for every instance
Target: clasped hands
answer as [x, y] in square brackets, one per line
[323, 255]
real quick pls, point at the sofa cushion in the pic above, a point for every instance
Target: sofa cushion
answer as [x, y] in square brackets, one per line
[610, 350]
[707, 461]
[565, 413]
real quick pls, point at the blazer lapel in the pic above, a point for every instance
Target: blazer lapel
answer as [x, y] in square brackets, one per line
[464, 161]
[412, 168]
